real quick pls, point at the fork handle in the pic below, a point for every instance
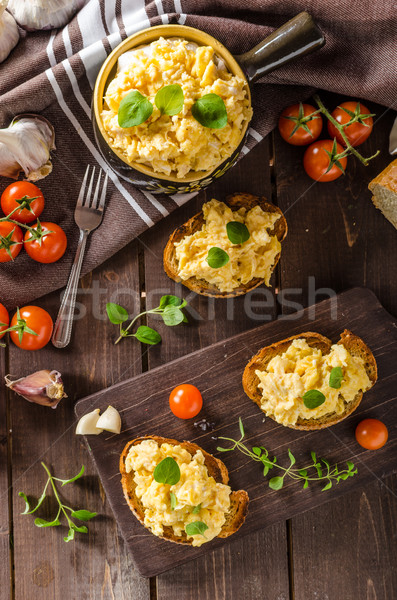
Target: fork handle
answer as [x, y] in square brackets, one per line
[63, 325]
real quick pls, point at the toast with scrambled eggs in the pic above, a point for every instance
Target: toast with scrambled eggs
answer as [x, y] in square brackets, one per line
[187, 247]
[202, 494]
[278, 377]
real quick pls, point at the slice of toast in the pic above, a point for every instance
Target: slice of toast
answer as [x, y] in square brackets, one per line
[351, 342]
[384, 189]
[201, 286]
[236, 514]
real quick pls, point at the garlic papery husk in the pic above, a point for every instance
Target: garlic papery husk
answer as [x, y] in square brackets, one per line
[25, 145]
[9, 34]
[44, 14]
[110, 420]
[43, 387]
[87, 424]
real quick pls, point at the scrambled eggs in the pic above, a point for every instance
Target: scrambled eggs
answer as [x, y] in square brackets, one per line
[253, 258]
[176, 144]
[194, 488]
[301, 368]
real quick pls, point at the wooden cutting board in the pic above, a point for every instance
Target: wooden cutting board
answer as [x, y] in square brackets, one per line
[216, 370]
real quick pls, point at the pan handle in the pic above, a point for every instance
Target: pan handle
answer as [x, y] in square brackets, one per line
[297, 37]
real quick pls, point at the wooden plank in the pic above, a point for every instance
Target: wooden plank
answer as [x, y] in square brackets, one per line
[96, 565]
[5, 482]
[339, 239]
[217, 373]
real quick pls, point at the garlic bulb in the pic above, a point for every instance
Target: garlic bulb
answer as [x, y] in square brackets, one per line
[87, 424]
[9, 34]
[43, 387]
[44, 14]
[110, 420]
[25, 145]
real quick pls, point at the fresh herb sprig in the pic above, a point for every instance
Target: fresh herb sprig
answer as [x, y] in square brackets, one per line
[81, 515]
[318, 470]
[170, 309]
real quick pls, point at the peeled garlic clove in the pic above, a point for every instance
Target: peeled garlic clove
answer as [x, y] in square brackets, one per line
[9, 34]
[44, 14]
[110, 420]
[43, 387]
[25, 145]
[87, 424]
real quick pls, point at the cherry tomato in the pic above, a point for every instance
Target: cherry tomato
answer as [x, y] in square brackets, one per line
[316, 161]
[15, 194]
[38, 320]
[11, 238]
[357, 132]
[307, 131]
[4, 318]
[51, 247]
[186, 401]
[371, 434]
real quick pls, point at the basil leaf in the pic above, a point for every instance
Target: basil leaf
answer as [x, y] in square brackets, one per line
[196, 528]
[172, 315]
[210, 111]
[167, 471]
[27, 505]
[196, 509]
[134, 109]
[276, 483]
[116, 313]
[170, 300]
[83, 515]
[335, 378]
[237, 232]
[43, 523]
[81, 529]
[147, 335]
[79, 474]
[173, 500]
[70, 535]
[313, 398]
[169, 100]
[217, 258]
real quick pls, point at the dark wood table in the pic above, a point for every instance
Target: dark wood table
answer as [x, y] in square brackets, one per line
[343, 550]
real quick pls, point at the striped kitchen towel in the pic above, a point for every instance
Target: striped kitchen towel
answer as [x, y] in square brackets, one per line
[53, 73]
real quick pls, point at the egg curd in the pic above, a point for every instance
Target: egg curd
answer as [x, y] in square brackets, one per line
[176, 144]
[195, 490]
[301, 368]
[253, 258]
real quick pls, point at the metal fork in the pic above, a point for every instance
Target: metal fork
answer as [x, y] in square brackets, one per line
[88, 216]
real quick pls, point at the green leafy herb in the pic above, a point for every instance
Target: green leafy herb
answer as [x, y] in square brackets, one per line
[210, 111]
[82, 514]
[237, 232]
[147, 335]
[196, 509]
[167, 471]
[335, 378]
[313, 398]
[217, 258]
[134, 109]
[173, 500]
[317, 470]
[169, 99]
[196, 528]
[116, 313]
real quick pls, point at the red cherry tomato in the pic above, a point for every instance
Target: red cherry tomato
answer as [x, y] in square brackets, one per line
[371, 434]
[186, 401]
[316, 161]
[50, 248]
[4, 318]
[11, 238]
[15, 194]
[39, 321]
[307, 132]
[357, 132]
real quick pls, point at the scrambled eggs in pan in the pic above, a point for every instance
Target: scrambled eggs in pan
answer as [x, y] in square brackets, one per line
[301, 368]
[176, 145]
[195, 490]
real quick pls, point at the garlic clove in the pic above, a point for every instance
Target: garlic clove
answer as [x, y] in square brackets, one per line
[42, 387]
[9, 34]
[33, 15]
[110, 420]
[87, 425]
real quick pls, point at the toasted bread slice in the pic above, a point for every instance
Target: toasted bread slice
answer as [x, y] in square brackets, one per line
[384, 189]
[235, 517]
[201, 286]
[351, 342]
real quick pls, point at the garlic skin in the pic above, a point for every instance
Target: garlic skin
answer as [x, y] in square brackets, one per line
[25, 145]
[9, 34]
[87, 424]
[42, 387]
[110, 420]
[33, 15]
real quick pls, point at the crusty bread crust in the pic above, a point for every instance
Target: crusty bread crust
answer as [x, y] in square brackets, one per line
[235, 517]
[352, 343]
[384, 189]
[201, 286]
